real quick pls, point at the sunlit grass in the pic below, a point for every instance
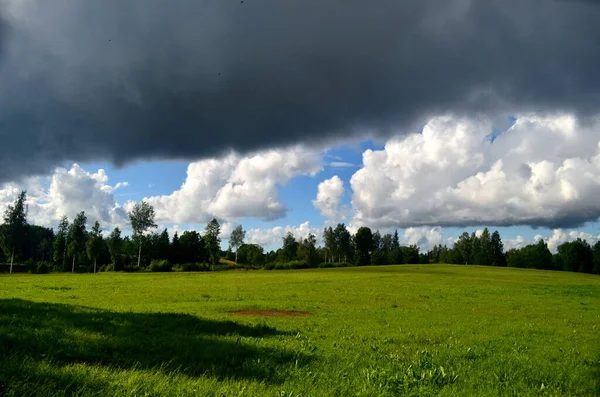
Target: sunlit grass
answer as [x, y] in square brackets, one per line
[388, 331]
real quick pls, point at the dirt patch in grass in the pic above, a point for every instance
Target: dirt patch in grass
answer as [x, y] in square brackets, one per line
[271, 313]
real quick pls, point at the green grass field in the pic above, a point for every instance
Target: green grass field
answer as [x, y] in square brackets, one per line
[390, 331]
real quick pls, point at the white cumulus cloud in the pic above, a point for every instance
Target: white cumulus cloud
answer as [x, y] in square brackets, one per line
[234, 187]
[329, 196]
[68, 192]
[542, 171]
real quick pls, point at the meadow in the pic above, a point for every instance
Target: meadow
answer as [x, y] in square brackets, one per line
[430, 330]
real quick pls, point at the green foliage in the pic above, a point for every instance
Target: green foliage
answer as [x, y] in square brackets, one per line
[192, 267]
[334, 264]
[535, 256]
[141, 218]
[212, 241]
[160, 265]
[576, 256]
[297, 264]
[191, 247]
[433, 330]
[251, 254]
[236, 240]
[60, 244]
[12, 236]
[95, 243]
[107, 268]
[290, 247]
[76, 239]
[307, 250]
[363, 241]
[410, 254]
[115, 247]
[43, 268]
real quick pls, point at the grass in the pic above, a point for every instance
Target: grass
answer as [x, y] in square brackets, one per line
[390, 331]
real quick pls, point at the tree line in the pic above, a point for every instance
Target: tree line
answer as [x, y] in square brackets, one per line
[73, 248]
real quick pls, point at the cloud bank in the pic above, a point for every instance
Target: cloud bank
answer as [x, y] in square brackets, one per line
[541, 172]
[124, 80]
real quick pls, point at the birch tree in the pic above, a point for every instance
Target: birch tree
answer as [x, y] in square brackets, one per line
[142, 219]
[15, 225]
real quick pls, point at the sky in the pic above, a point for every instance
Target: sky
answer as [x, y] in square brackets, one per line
[428, 117]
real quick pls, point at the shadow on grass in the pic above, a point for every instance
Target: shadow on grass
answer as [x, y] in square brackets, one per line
[172, 343]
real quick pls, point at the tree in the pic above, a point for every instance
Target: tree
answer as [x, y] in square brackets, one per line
[191, 247]
[483, 248]
[60, 244]
[342, 242]
[95, 244]
[252, 254]
[308, 249]
[142, 219]
[576, 256]
[475, 249]
[411, 254]
[115, 247]
[536, 256]
[212, 241]
[15, 224]
[395, 256]
[363, 240]
[465, 247]
[175, 256]
[329, 243]
[76, 237]
[497, 250]
[379, 256]
[236, 240]
[163, 245]
[596, 258]
[290, 247]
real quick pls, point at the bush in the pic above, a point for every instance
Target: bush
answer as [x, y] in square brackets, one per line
[132, 268]
[287, 265]
[160, 265]
[42, 268]
[31, 266]
[334, 264]
[191, 267]
[107, 268]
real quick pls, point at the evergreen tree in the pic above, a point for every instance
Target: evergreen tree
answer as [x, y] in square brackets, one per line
[163, 245]
[175, 256]
[497, 250]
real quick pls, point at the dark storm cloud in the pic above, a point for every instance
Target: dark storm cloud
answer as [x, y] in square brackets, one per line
[124, 80]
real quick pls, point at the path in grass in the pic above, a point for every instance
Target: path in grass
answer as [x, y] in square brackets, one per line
[388, 331]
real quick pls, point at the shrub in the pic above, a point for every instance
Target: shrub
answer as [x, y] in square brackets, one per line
[191, 267]
[160, 265]
[132, 268]
[107, 268]
[30, 264]
[287, 265]
[42, 268]
[334, 264]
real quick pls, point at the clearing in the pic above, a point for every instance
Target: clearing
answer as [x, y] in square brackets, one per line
[431, 330]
